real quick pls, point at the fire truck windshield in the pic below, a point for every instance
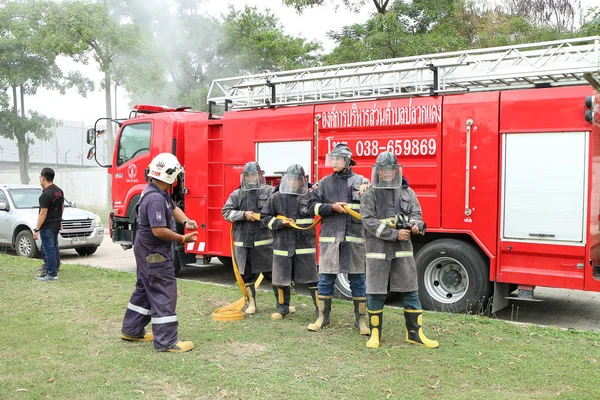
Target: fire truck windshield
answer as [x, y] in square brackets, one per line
[134, 141]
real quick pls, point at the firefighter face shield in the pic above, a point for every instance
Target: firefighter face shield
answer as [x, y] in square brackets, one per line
[339, 158]
[252, 180]
[387, 176]
[293, 184]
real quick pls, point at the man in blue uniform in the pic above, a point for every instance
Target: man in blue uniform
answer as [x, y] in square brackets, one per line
[155, 296]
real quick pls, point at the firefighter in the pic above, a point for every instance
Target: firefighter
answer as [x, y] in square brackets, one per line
[390, 213]
[294, 250]
[155, 295]
[342, 248]
[252, 243]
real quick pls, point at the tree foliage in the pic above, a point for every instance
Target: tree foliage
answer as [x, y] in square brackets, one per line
[255, 42]
[422, 27]
[353, 5]
[27, 63]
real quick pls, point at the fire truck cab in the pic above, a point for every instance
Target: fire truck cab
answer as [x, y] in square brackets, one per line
[501, 145]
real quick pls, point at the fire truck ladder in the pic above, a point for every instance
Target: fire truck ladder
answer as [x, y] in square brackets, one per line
[545, 64]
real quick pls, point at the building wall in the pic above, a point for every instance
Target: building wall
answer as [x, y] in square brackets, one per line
[85, 186]
[67, 147]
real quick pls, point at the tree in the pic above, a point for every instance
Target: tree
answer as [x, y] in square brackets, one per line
[254, 42]
[421, 27]
[28, 62]
[353, 5]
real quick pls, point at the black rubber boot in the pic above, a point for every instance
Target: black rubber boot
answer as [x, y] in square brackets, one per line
[323, 318]
[315, 296]
[376, 323]
[360, 307]
[282, 301]
[414, 330]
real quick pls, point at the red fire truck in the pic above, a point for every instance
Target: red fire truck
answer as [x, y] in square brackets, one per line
[501, 145]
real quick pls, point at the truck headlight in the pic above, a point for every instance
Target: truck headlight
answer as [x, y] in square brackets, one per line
[97, 220]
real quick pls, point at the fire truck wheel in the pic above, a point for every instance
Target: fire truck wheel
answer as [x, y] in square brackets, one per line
[453, 277]
[226, 261]
[341, 289]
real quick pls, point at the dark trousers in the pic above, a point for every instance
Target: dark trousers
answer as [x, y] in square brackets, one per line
[51, 257]
[153, 299]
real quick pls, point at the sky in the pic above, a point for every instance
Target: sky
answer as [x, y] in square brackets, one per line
[312, 24]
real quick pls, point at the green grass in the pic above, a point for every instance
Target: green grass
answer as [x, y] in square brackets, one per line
[60, 340]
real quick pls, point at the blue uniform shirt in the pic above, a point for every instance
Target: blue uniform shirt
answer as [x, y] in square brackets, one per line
[156, 209]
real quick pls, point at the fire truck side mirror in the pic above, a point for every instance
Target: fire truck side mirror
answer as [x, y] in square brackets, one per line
[91, 136]
[589, 109]
[91, 152]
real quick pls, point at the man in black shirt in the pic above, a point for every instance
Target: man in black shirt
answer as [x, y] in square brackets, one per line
[52, 205]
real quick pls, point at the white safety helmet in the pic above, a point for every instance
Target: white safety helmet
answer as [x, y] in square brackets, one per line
[165, 167]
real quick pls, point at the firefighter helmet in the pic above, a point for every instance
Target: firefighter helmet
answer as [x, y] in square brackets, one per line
[387, 173]
[341, 150]
[294, 181]
[165, 167]
[252, 178]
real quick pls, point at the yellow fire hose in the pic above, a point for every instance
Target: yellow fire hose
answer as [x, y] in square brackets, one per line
[233, 311]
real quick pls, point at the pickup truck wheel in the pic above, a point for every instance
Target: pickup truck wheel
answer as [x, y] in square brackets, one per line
[25, 245]
[453, 277]
[86, 251]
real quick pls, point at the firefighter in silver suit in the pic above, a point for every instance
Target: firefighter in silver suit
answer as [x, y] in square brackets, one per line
[294, 250]
[342, 237]
[251, 242]
[391, 213]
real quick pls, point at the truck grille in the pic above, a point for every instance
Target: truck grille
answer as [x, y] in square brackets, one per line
[76, 228]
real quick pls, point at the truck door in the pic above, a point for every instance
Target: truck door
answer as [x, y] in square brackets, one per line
[544, 204]
[132, 157]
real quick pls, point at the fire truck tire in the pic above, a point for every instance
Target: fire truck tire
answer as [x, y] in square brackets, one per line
[226, 261]
[453, 277]
[341, 289]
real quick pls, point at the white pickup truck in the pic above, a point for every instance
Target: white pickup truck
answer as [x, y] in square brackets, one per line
[19, 207]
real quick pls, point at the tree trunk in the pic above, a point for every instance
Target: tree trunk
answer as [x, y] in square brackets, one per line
[109, 141]
[23, 145]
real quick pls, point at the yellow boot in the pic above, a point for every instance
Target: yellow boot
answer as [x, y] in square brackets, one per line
[251, 295]
[323, 318]
[147, 337]
[414, 330]
[375, 322]
[180, 347]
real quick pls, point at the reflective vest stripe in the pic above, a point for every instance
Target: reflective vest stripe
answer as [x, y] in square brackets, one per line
[353, 206]
[379, 256]
[271, 223]
[280, 253]
[327, 239]
[306, 251]
[354, 239]
[164, 320]
[407, 253]
[238, 244]
[317, 209]
[138, 309]
[380, 229]
[263, 242]
[305, 221]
